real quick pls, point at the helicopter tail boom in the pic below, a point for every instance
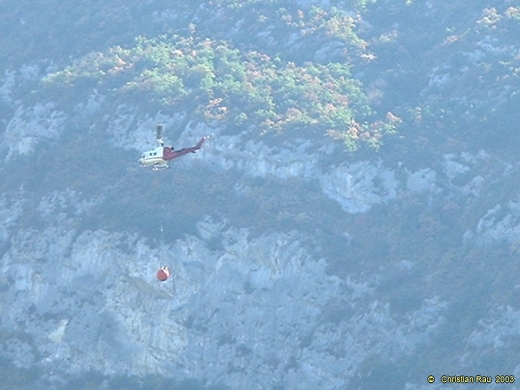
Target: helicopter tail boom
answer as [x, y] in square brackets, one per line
[170, 153]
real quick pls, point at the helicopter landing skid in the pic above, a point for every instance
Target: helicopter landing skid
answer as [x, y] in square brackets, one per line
[159, 167]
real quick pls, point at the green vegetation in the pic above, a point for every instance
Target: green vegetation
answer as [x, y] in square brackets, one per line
[220, 84]
[450, 84]
[397, 62]
[237, 4]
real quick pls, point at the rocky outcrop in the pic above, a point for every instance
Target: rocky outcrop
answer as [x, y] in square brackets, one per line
[245, 310]
[262, 311]
[29, 125]
[267, 305]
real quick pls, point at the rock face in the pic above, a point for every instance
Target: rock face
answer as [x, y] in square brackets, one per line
[28, 126]
[295, 265]
[259, 312]
[242, 310]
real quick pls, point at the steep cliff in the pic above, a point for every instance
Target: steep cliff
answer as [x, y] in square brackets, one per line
[351, 222]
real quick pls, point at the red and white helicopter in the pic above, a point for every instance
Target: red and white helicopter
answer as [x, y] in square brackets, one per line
[158, 158]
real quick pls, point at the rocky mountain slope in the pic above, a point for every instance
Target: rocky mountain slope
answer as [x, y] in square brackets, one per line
[352, 220]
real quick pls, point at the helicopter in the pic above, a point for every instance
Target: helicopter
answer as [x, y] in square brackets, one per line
[158, 158]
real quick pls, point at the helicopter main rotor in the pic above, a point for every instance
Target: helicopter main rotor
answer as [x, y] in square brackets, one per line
[158, 135]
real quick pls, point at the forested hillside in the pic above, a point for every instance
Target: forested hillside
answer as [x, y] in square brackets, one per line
[352, 220]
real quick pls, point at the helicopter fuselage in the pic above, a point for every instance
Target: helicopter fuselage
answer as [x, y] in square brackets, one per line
[158, 158]
[155, 157]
